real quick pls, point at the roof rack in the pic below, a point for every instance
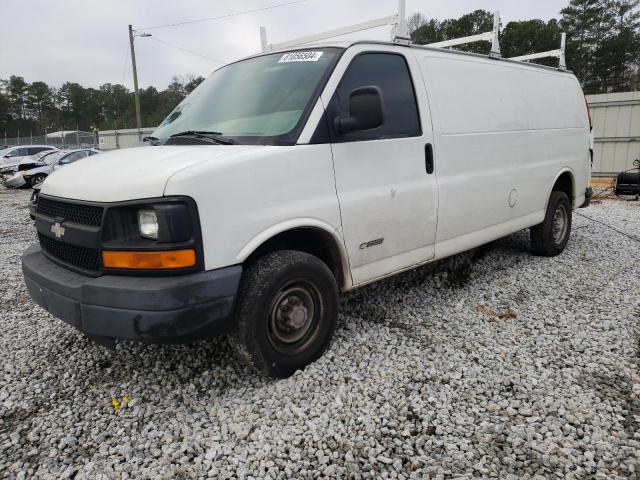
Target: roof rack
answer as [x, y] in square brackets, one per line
[398, 20]
[493, 36]
[402, 36]
[559, 54]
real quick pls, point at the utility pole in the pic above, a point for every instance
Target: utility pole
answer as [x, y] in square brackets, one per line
[135, 78]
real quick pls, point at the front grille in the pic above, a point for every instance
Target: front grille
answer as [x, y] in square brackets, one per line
[81, 257]
[72, 212]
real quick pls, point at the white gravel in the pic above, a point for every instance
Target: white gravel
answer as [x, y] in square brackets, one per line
[508, 366]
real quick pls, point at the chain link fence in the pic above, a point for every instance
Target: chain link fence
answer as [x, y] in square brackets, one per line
[103, 140]
[66, 139]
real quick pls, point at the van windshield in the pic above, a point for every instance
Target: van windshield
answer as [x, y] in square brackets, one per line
[262, 100]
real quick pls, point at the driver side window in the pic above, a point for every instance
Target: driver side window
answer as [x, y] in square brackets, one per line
[388, 72]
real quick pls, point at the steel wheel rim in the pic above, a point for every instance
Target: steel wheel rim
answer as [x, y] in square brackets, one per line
[294, 316]
[38, 181]
[560, 224]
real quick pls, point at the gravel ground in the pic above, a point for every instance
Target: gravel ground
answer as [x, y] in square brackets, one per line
[497, 364]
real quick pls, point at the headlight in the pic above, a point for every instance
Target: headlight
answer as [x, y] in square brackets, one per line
[151, 235]
[148, 223]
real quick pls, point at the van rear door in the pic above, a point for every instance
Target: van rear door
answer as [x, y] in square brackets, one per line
[385, 185]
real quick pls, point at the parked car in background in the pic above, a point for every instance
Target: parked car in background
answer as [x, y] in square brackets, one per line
[74, 156]
[33, 158]
[14, 155]
[12, 175]
[34, 172]
[8, 170]
[39, 157]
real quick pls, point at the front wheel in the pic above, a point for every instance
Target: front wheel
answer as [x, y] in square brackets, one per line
[551, 237]
[286, 312]
[37, 180]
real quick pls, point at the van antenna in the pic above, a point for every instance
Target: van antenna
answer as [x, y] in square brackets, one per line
[560, 54]
[493, 36]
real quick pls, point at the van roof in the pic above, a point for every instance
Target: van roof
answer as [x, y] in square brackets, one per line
[347, 44]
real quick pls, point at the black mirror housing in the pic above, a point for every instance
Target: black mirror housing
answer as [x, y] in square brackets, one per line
[365, 111]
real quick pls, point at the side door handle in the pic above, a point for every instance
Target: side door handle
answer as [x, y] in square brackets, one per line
[428, 158]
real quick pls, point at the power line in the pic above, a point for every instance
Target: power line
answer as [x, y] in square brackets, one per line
[187, 50]
[227, 15]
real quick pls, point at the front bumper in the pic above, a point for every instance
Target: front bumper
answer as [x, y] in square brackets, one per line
[175, 309]
[16, 181]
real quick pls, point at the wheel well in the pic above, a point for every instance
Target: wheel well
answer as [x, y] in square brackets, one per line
[564, 183]
[309, 240]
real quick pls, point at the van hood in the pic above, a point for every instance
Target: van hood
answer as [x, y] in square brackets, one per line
[132, 173]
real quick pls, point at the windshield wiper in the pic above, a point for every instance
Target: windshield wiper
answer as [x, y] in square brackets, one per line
[152, 140]
[215, 137]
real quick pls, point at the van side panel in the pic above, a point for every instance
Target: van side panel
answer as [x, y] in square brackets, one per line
[503, 133]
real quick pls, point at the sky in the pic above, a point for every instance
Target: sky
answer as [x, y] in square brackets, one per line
[88, 43]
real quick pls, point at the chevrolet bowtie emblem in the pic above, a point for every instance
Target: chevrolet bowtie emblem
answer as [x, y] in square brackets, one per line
[57, 230]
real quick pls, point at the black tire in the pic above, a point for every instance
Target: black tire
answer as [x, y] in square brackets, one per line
[551, 237]
[37, 179]
[286, 312]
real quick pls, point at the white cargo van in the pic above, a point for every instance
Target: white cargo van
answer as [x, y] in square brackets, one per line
[287, 177]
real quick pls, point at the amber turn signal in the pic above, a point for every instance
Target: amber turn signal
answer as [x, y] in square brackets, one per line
[149, 260]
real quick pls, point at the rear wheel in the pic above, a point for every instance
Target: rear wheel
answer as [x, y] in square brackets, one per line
[551, 237]
[37, 179]
[286, 312]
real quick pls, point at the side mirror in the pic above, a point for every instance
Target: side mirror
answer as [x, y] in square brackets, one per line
[365, 111]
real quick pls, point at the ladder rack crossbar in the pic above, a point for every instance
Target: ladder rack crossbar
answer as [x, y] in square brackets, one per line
[481, 37]
[493, 36]
[559, 54]
[537, 56]
[380, 22]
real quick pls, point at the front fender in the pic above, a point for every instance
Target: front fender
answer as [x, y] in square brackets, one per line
[297, 223]
[248, 248]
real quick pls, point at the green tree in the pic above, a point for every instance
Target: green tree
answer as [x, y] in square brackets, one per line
[621, 51]
[586, 23]
[429, 32]
[530, 36]
[603, 46]
[5, 112]
[16, 89]
[39, 102]
[150, 105]
[192, 82]
[115, 102]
